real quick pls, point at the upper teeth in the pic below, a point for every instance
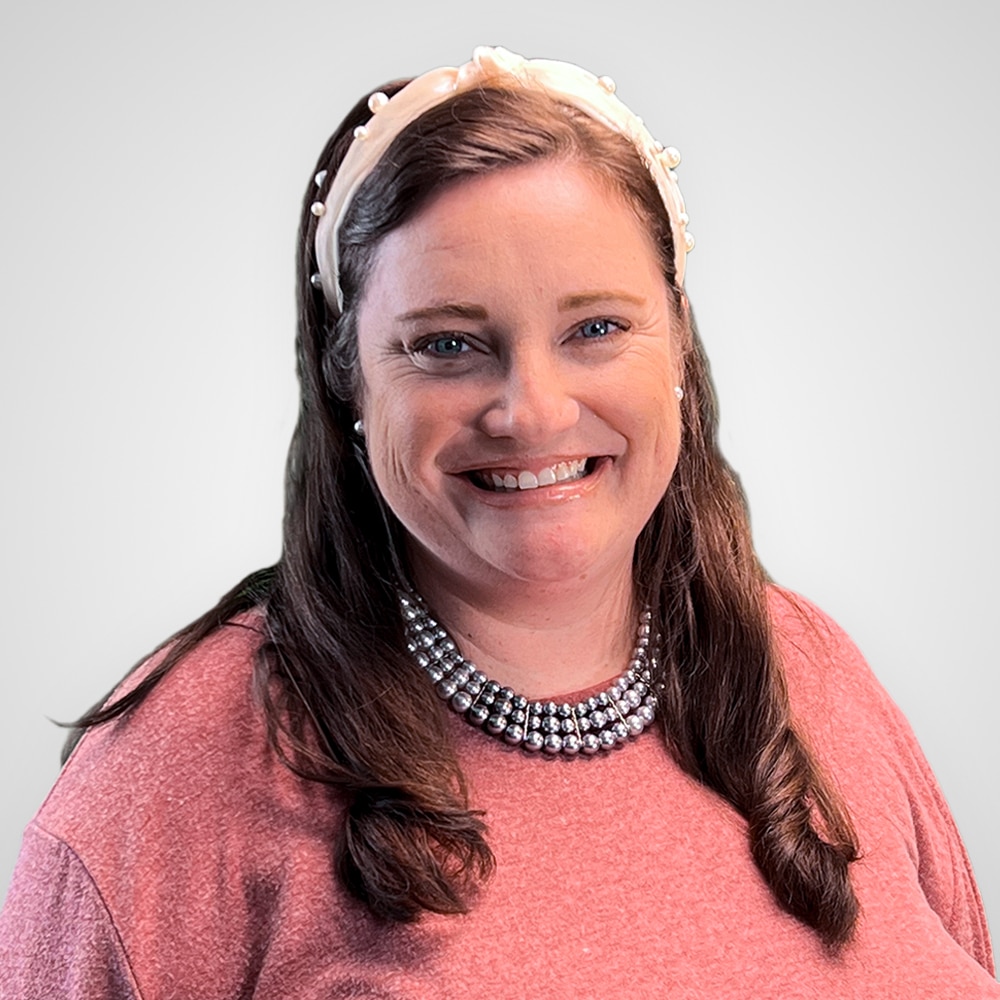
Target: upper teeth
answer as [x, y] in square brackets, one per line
[544, 477]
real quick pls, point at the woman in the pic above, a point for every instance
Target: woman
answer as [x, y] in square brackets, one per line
[517, 709]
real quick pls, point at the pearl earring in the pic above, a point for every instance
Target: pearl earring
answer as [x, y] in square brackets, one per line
[678, 392]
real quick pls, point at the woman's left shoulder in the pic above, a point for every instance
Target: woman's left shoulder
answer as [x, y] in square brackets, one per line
[823, 666]
[836, 700]
[866, 745]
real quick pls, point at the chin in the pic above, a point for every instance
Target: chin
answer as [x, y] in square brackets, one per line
[557, 563]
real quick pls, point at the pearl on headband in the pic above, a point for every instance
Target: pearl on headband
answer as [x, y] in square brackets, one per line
[489, 67]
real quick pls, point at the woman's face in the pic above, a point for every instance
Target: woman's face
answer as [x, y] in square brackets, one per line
[518, 352]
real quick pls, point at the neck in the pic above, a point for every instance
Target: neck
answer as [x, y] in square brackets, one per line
[541, 640]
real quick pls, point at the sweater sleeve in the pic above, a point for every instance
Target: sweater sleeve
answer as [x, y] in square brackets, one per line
[57, 938]
[869, 745]
[943, 865]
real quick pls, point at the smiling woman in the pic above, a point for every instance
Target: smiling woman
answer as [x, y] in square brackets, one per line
[518, 703]
[518, 347]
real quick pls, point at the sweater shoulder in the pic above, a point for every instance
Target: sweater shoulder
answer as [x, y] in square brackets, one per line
[204, 718]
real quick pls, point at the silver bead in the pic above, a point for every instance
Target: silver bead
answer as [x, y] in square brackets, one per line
[635, 725]
[316, 280]
[460, 701]
[552, 743]
[513, 734]
[598, 719]
[590, 744]
[571, 744]
[446, 688]
[478, 714]
[645, 713]
[620, 731]
[533, 741]
[496, 724]
[607, 739]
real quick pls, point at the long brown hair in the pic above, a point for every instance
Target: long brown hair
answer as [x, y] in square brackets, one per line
[332, 667]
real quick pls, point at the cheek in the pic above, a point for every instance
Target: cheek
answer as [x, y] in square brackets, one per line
[402, 437]
[659, 430]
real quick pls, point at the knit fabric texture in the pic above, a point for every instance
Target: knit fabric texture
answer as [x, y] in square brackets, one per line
[177, 859]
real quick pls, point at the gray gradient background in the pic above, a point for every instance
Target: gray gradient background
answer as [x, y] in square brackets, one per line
[839, 168]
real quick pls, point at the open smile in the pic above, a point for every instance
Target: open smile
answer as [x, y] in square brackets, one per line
[510, 480]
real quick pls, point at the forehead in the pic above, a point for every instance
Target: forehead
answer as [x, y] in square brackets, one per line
[550, 224]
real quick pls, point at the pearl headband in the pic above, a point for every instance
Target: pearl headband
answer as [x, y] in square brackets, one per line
[489, 67]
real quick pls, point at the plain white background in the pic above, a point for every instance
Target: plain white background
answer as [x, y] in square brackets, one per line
[840, 173]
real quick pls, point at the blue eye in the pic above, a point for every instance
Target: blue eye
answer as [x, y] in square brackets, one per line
[444, 347]
[594, 329]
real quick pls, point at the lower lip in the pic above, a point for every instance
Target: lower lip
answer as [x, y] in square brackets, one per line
[574, 489]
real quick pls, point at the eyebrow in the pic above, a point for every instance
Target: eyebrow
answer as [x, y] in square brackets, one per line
[590, 298]
[445, 310]
[465, 310]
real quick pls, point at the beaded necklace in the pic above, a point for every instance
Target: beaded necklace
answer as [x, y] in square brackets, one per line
[601, 722]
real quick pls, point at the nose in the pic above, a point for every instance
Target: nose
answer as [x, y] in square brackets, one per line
[534, 401]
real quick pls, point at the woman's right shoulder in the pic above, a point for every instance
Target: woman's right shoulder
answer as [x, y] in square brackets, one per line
[170, 838]
[196, 746]
[217, 679]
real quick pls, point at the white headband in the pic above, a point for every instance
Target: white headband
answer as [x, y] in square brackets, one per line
[489, 67]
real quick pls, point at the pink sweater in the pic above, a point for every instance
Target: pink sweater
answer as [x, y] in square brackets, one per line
[176, 858]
